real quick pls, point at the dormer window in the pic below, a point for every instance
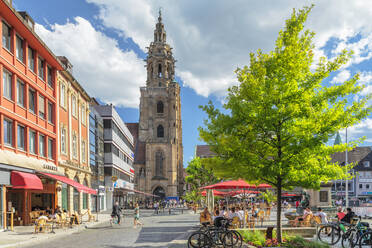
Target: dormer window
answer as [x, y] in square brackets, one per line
[366, 164]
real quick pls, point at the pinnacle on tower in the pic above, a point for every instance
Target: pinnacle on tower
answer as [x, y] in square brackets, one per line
[159, 33]
[159, 18]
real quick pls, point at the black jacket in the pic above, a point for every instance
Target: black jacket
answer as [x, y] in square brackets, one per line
[348, 217]
[116, 209]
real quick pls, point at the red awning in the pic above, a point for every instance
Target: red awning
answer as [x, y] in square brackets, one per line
[23, 180]
[79, 187]
[235, 184]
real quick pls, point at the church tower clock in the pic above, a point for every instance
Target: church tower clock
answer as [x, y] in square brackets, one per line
[160, 125]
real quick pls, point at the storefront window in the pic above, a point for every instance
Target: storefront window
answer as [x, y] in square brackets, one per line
[76, 197]
[85, 201]
[64, 196]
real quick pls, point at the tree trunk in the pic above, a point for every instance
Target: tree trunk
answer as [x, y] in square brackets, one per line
[279, 212]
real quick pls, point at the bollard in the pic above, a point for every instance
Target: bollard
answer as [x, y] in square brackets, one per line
[170, 211]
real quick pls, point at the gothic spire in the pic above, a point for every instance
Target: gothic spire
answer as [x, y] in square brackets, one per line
[159, 18]
[338, 139]
[159, 33]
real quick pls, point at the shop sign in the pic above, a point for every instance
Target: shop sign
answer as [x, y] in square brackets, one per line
[50, 167]
[101, 190]
[365, 180]
[366, 193]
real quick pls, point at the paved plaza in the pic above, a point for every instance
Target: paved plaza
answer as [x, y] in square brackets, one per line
[158, 231]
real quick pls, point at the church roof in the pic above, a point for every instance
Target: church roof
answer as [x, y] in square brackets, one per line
[139, 147]
[357, 155]
[203, 151]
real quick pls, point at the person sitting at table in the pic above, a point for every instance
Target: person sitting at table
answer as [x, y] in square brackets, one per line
[42, 216]
[58, 210]
[224, 213]
[307, 212]
[233, 214]
[205, 216]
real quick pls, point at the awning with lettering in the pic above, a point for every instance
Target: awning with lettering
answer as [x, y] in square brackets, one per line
[79, 187]
[23, 180]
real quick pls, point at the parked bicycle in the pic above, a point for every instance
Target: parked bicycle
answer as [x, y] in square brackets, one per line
[210, 236]
[352, 236]
[349, 234]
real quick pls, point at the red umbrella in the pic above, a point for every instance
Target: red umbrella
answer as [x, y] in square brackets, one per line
[287, 194]
[264, 186]
[238, 192]
[234, 184]
[215, 192]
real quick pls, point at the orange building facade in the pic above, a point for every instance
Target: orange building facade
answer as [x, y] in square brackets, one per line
[28, 108]
[74, 141]
[39, 162]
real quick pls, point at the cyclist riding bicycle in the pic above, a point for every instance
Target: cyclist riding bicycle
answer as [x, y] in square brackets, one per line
[116, 211]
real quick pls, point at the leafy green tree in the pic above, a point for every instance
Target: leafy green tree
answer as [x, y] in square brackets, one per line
[198, 176]
[269, 196]
[278, 119]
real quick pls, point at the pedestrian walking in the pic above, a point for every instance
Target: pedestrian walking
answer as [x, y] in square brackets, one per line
[136, 217]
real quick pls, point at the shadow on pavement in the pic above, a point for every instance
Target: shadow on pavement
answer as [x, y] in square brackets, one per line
[148, 234]
[147, 246]
[101, 227]
[177, 221]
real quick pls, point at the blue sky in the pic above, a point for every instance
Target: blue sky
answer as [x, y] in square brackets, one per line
[106, 42]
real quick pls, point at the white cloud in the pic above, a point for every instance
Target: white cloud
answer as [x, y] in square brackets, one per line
[363, 129]
[366, 80]
[211, 40]
[341, 77]
[100, 66]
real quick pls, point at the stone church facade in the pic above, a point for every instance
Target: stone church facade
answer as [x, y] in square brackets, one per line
[158, 135]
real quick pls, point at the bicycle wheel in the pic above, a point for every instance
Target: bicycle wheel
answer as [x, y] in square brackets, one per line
[232, 238]
[365, 240]
[198, 240]
[329, 234]
[349, 239]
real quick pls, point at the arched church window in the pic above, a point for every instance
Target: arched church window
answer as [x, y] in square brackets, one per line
[159, 159]
[160, 107]
[160, 131]
[159, 70]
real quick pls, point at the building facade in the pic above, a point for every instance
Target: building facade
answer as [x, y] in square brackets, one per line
[74, 139]
[118, 156]
[159, 150]
[96, 158]
[28, 120]
[360, 186]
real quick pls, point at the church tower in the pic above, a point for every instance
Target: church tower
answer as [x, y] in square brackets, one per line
[160, 125]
